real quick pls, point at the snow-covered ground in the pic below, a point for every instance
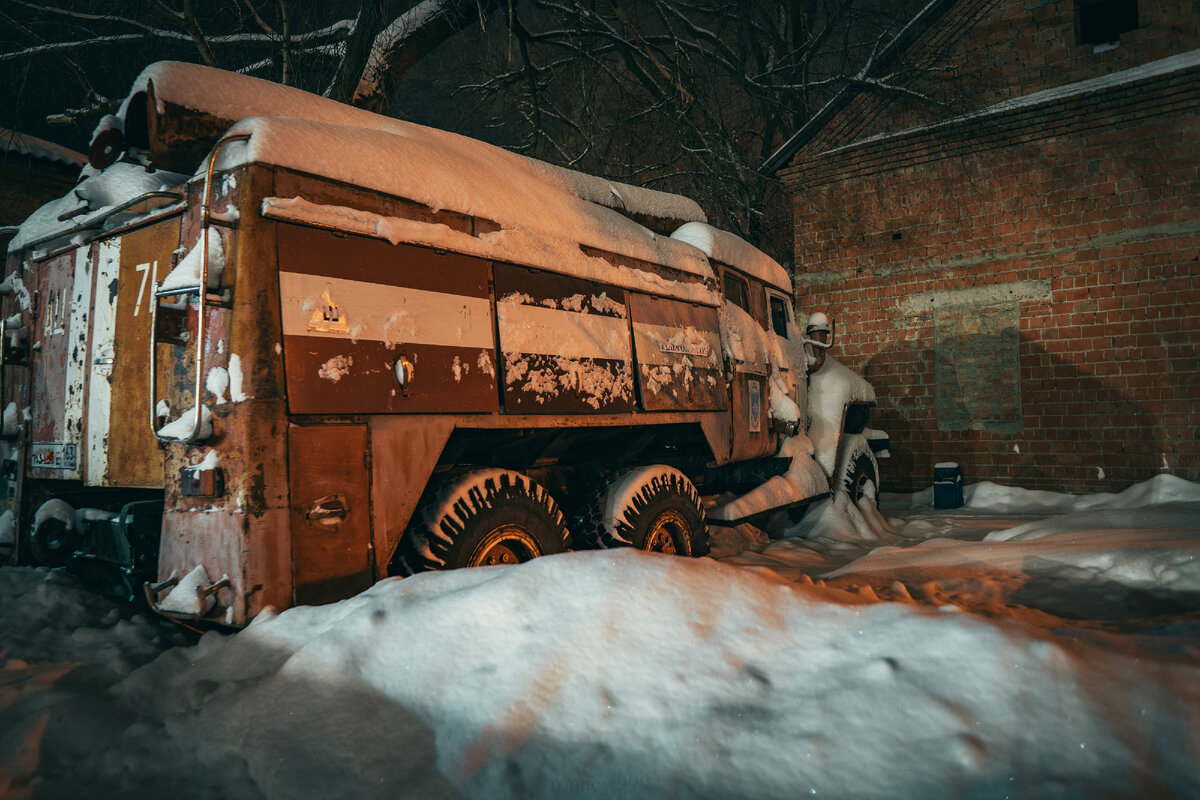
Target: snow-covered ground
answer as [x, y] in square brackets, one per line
[1028, 645]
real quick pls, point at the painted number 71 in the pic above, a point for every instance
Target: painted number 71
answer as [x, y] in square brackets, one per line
[148, 270]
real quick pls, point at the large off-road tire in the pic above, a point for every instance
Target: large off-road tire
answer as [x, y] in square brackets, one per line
[861, 479]
[483, 518]
[652, 508]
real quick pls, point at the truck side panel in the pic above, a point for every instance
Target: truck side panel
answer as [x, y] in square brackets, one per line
[565, 344]
[352, 306]
[59, 338]
[679, 355]
[404, 452]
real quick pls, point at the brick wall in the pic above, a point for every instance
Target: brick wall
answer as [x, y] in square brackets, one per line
[1023, 289]
[982, 52]
[27, 183]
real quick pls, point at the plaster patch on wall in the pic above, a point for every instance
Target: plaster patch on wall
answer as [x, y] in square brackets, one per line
[978, 367]
[975, 296]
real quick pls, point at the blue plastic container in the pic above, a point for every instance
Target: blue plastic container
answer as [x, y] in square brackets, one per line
[947, 485]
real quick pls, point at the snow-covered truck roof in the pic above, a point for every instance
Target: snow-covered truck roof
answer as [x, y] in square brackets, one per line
[223, 98]
[735, 251]
[540, 223]
[547, 215]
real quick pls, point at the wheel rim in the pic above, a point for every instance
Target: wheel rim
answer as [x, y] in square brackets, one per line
[508, 544]
[666, 532]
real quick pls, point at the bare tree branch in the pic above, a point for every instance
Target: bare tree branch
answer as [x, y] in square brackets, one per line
[407, 39]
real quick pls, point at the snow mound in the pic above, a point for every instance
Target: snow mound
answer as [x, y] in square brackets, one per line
[1163, 515]
[95, 196]
[735, 251]
[1159, 489]
[574, 674]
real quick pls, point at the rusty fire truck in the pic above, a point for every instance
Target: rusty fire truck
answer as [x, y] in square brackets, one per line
[273, 349]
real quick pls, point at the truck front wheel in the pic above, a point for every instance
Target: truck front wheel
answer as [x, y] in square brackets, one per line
[860, 479]
[651, 508]
[480, 519]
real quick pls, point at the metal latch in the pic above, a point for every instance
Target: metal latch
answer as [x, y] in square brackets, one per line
[329, 511]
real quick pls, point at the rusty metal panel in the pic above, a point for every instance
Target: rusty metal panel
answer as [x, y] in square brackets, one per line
[134, 458]
[244, 547]
[679, 355]
[58, 339]
[404, 451]
[353, 307]
[565, 344]
[330, 511]
[750, 418]
[244, 531]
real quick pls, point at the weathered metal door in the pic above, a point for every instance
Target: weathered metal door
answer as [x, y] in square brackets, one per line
[59, 355]
[330, 511]
[743, 320]
[678, 354]
[793, 365]
[564, 344]
[121, 447]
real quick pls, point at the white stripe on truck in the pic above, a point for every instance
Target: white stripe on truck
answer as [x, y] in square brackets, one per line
[315, 305]
[537, 330]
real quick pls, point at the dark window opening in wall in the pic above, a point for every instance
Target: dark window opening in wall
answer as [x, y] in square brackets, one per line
[1103, 21]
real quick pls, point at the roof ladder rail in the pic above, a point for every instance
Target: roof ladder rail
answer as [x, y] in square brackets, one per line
[202, 294]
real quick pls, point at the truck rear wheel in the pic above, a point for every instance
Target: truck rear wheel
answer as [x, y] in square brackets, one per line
[480, 519]
[655, 508]
[51, 544]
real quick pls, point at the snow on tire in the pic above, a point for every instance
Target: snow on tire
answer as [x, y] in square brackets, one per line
[652, 508]
[860, 478]
[487, 517]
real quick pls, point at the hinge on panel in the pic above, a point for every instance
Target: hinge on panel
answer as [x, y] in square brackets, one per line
[366, 459]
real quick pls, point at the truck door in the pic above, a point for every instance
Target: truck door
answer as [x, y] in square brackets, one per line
[58, 346]
[743, 325]
[791, 363]
[330, 511]
[121, 448]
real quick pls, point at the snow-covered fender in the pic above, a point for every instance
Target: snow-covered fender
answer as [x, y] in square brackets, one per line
[833, 392]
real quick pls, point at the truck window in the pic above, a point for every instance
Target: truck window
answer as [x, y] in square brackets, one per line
[737, 292]
[779, 314]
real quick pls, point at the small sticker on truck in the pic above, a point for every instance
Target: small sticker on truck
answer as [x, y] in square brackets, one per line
[754, 406]
[55, 455]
